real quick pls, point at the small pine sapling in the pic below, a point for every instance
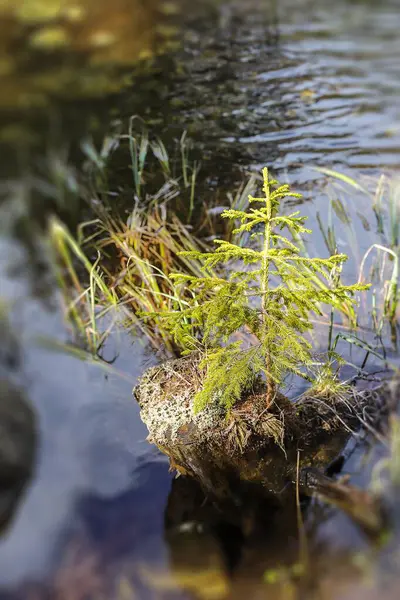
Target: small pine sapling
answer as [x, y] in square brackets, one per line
[270, 292]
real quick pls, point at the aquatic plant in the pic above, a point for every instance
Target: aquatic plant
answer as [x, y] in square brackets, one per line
[143, 251]
[368, 200]
[125, 260]
[85, 303]
[128, 278]
[180, 177]
[277, 316]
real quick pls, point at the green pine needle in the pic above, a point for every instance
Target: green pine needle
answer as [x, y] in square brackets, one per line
[243, 298]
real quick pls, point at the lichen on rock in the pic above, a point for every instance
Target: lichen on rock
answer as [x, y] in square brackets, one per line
[250, 445]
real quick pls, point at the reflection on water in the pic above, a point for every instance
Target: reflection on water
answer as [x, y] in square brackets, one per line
[54, 52]
[70, 47]
[324, 91]
[17, 448]
[90, 437]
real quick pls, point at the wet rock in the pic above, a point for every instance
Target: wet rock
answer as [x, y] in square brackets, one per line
[17, 448]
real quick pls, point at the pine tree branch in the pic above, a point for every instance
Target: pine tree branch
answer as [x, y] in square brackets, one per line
[273, 301]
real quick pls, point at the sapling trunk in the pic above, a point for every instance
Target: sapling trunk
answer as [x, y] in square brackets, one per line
[265, 288]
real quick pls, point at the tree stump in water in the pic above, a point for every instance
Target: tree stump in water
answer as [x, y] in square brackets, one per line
[252, 451]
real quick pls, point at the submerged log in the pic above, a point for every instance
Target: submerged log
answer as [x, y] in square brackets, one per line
[252, 451]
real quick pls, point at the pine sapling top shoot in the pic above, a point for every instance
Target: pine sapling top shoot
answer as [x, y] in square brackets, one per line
[268, 290]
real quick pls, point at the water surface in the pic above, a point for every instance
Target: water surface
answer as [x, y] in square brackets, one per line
[302, 85]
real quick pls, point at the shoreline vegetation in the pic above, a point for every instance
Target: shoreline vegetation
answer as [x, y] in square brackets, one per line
[117, 272]
[132, 249]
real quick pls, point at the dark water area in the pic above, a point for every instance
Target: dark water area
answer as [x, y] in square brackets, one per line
[291, 85]
[294, 85]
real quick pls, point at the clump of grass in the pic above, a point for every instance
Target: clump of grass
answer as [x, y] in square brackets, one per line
[123, 263]
[179, 175]
[143, 251]
[129, 273]
[85, 304]
[369, 201]
[326, 382]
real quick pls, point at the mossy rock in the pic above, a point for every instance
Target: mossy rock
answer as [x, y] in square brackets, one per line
[252, 447]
